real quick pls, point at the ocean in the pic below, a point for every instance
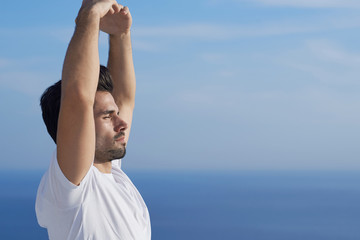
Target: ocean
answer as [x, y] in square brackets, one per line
[244, 205]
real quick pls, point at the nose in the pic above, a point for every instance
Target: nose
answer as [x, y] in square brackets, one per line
[120, 125]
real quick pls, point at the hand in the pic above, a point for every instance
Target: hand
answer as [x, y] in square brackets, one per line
[100, 8]
[117, 23]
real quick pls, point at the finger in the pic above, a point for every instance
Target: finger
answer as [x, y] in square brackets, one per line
[125, 10]
[111, 11]
[117, 7]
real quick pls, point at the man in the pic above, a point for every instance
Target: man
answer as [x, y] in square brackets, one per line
[84, 194]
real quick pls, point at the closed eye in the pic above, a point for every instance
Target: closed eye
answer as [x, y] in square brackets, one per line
[107, 114]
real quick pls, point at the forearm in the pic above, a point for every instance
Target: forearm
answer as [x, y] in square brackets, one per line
[121, 67]
[81, 64]
[76, 130]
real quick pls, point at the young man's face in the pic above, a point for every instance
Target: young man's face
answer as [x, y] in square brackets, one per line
[109, 128]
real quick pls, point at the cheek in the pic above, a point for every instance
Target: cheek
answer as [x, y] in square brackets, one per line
[103, 141]
[98, 126]
[99, 134]
[104, 134]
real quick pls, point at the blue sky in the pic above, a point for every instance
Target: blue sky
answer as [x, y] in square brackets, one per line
[231, 84]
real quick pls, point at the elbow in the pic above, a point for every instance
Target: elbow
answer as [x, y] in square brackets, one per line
[78, 97]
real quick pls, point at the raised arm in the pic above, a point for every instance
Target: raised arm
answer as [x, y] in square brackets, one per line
[76, 128]
[120, 63]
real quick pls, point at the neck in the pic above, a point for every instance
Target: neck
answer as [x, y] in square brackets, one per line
[104, 167]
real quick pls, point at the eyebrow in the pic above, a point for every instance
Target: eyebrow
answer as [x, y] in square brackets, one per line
[106, 112]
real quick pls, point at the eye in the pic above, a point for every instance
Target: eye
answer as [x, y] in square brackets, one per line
[107, 117]
[118, 113]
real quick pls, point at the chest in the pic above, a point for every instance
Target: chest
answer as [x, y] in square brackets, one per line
[116, 207]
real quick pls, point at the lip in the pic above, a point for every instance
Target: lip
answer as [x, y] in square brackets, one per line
[120, 139]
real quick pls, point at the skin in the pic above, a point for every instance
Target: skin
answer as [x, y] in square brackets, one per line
[110, 131]
[85, 136]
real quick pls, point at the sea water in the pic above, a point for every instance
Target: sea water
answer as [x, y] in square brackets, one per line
[244, 205]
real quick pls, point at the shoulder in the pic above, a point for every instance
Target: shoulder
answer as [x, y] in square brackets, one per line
[57, 189]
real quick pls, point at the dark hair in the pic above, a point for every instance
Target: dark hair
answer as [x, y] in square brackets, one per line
[50, 100]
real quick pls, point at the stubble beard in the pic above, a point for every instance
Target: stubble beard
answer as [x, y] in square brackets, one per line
[108, 155]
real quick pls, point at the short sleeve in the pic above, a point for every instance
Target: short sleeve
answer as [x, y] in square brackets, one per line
[64, 193]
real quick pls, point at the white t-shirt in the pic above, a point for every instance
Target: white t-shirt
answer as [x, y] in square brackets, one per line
[102, 207]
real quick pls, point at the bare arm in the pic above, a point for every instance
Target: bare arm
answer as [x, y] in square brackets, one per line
[121, 65]
[76, 128]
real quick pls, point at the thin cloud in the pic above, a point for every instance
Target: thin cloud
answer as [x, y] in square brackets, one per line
[306, 3]
[331, 52]
[29, 83]
[214, 57]
[14, 76]
[217, 32]
[325, 61]
[5, 62]
[146, 36]
[294, 106]
[61, 34]
[142, 45]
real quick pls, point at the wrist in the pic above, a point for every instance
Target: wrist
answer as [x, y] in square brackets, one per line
[87, 16]
[120, 42]
[120, 36]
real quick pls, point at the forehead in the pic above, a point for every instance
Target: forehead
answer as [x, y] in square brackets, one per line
[104, 101]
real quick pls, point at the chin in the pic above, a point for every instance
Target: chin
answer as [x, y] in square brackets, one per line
[117, 153]
[108, 155]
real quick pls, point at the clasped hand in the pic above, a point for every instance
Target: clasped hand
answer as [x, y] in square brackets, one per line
[115, 19]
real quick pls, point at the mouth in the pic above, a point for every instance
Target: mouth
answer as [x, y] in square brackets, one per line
[120, 137]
